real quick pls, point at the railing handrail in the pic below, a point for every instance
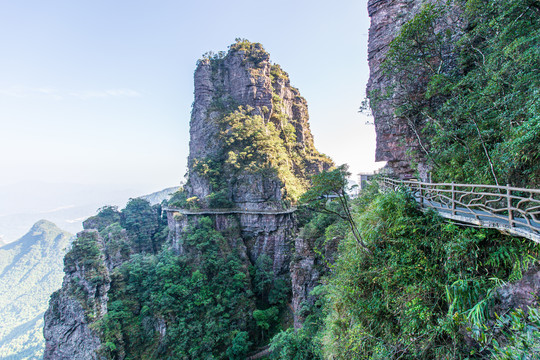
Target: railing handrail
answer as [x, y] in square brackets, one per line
[235, 210]
[499, 187]
[492, 206]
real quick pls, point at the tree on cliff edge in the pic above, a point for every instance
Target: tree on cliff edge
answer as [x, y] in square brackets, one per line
[329, 185]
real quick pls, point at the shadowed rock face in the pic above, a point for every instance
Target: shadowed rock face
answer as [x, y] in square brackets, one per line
[521, 294]
[81, 301]
[260, 234]
[67, 333]
[70, 329]
[394, 137]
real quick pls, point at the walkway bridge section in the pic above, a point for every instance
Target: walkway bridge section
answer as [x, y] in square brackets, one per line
[227, 211]
[513, 210]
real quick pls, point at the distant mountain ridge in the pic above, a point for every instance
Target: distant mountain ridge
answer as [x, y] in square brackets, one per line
[31, 268]
[158, 196]
[66, 205]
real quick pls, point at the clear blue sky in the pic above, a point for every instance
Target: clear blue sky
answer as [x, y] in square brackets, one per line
[101, 91]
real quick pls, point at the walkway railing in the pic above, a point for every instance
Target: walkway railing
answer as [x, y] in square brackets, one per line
[511, 209]
[227, 211]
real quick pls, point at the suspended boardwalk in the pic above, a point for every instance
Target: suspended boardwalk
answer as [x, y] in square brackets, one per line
[515, 211]
[227, 211]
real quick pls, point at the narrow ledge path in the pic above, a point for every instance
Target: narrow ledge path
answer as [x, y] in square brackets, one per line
[227, 211]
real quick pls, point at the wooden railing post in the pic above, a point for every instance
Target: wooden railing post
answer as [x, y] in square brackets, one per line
[509, 205]
[453, 199]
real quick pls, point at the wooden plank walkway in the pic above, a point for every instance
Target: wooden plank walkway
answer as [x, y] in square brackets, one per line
[515, 211]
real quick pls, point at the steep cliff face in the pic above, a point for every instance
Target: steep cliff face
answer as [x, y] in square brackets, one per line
[251, 144]
[81, 301]
[253, 168]
[399, 136]
[260, 234]
[71, 330]
[226, 272]
[394, 137]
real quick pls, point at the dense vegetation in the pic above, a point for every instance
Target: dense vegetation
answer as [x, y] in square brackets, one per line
[424, 290]
[206, 302]
[407, 285]
[403, 284]
[467, 82]
[196, 298]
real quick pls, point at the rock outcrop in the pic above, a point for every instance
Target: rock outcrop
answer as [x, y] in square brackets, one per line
[244, 84]
[251, 156]
[81, 301]
[395, 139]
[522, 294]
[67, 332]
[231, 90]
[399, 138]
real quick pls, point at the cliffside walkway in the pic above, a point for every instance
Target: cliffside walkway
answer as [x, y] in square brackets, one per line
[227, 211]
[515, 211]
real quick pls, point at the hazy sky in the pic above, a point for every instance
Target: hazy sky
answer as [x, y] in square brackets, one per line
[101, 91]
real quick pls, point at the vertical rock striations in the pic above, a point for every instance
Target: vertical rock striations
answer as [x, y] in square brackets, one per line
[81, 301]
[249, 134]
[250, 148]
[71, 328]
[394, 137]
[400, 139]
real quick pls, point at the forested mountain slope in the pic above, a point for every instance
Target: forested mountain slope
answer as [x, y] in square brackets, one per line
[30, 270]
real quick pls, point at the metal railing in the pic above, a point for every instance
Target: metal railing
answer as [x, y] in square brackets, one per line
[227, 211]
[511, 209]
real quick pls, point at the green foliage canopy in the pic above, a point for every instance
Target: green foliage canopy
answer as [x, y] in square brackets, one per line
[470, 93]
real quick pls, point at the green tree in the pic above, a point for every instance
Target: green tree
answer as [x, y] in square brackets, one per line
[266, 320]
[239, 347]
[141, 222]
[330, 185]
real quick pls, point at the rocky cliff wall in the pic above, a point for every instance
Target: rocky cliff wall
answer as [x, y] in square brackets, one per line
[400, 136]
[251, 149]
[259, 234]
[395, 140]
[244, 80]
[70, 329]
[81, 301]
